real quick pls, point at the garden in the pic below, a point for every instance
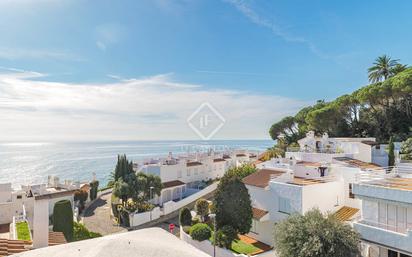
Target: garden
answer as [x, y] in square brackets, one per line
[23, 231]
[224, 221]
[131, 191]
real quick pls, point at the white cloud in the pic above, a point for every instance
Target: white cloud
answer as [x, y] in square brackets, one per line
[147, 108]
[243, 7]
[21, 53]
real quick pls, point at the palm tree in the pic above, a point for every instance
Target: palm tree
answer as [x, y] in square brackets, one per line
[398, 69]
[382, 68]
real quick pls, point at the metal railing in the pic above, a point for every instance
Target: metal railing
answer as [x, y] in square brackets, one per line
[393, 228]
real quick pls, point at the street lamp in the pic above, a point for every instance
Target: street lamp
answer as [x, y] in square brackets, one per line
[151, 189]
[213, 217]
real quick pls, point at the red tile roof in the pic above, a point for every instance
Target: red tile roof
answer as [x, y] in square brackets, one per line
[56, 238]
[194, 163]
[173, 183]
[261, 177]
[10, 247]
[258, 213]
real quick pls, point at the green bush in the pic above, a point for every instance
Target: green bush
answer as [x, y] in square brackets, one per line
[225, 236]
[94, 187]
[202, 208]
[200, 232]
[63, 218]
[406, 149]
[186, 229]
[185, 217]
[80, 232]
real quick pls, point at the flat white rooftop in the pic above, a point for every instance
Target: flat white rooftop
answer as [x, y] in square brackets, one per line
[151, 242]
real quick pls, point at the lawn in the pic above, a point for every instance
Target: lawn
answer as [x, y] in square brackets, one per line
[23, 230]
[239, 246]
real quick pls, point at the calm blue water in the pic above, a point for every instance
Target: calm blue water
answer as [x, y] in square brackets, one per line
[22, 163]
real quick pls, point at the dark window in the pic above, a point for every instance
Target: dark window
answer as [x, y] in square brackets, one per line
[19, 197]
[404, 255]
[351, 195]
[392, 253]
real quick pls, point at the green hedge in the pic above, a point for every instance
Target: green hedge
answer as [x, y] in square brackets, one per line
[63, 218]
[23, 231]
[94, 187]
[185, 217]
[82, 233]
[200, 232]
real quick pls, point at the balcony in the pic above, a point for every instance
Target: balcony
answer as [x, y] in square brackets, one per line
[385, 235]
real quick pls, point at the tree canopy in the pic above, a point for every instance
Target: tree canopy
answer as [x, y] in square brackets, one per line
[313, 235]
[380, 110]
[233, 206]
[242, 171]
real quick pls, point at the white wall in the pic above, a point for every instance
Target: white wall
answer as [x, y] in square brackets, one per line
[264, 232]
[172, 206]
[327, 197]
[41, 224]
[137, 219]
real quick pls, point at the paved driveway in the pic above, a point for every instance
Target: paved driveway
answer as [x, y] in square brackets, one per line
[97, 217]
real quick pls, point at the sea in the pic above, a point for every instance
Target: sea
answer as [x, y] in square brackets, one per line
[25, 163]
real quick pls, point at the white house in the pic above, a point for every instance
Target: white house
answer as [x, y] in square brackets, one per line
[319, 174]
[183, 174]
[314, 148]
[386, 223]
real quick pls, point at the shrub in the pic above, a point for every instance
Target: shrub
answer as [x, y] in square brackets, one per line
[94, 186]
[144, 207]
[80, 232]
[202, 208]
[200, 232]
[185, 217]
[131, 205]
[317, 234]
[406, 149]
[242, 171]
[225, 236]
[63, 218]
[186, 229]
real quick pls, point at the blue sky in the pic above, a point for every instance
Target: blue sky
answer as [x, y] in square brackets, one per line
[282, 54]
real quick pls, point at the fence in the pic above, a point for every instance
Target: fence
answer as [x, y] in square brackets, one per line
[137, 219]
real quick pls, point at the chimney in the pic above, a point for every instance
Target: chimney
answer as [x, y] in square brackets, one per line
[41, 223]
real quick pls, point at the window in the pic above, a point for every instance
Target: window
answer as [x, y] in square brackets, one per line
[188, 172]
[19, 196]
[284, 205]
[409, 218]
[351, 195]
[392, 253]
